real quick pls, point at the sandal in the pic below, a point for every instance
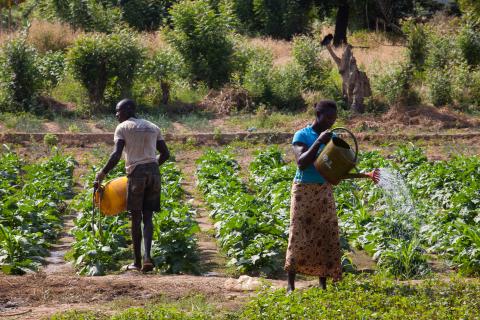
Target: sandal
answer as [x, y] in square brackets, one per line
[147, 266]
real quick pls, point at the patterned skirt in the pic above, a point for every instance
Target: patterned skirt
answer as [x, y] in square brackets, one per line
[314, 242]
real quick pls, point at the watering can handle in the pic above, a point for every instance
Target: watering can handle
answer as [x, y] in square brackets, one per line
[351, 134]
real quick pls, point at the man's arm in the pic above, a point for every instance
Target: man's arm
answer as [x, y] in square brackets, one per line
[112, 162]
[164, 152]
[306, 156]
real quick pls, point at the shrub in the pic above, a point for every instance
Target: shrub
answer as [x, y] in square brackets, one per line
[280, 19]
[465, 84]
[305, 52]
[52, 68]
[441, 51]
[145, 14]
[392, 83]
[89, 15]
[200, 34]
[105, 65]
[416, 43]
[439, 87]
[469, 42]
[50, 140]
[20, 80]
[286, 84]
[164, 67]
[257, 72]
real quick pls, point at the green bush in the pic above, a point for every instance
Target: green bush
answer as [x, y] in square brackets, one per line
[256, 77]
[280, 87]
[441, 51]
[165, 67]
[52, 68]
[200, 34]
[146, 14]
[20, 81]
[416, 43]
[466, 85]
[469, 42]
[392, 83]
[280, 19]
[306, 53]
[439, 85]
[50, 140]
[286, 86]
[106, 66]
[89, 15]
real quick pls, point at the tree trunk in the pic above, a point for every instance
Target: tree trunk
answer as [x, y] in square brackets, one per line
[165, 91]
[355, 83]
[341, 24]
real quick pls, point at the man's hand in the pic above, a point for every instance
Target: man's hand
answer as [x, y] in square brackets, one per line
[98, 179]
[324, 137]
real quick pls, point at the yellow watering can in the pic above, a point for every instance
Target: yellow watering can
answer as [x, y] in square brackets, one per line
[337, 159]
[112, 197]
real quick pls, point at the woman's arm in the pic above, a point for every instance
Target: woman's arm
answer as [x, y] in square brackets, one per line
[305, 156]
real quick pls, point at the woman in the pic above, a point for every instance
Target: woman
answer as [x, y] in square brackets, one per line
[314, 243]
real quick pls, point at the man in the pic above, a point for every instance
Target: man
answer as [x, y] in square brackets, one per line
[139, 139]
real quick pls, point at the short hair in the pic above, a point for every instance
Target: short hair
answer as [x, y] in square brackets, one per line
[129, 104]
[330, 104]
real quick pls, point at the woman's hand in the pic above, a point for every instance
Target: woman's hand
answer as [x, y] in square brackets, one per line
[324, 137]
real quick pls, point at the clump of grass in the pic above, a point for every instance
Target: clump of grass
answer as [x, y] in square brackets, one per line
[186, 93]
[21, 122]
[370, 298]
[71, 91]
[50, 36]
[194, 121]
[159, 118]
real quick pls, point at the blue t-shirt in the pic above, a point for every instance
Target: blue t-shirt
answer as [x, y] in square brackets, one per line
[308, 136]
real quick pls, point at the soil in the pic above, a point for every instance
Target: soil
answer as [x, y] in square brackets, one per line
[418, 118]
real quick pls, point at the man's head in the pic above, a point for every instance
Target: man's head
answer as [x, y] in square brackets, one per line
[125, 109]
[325, 113]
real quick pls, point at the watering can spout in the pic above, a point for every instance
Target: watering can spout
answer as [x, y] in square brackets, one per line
[373, 175]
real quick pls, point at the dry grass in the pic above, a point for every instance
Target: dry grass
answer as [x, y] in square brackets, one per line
[370, 59]
[46, 36]
[152, 41]
[5, 36]
[280, 49]
[379, 49]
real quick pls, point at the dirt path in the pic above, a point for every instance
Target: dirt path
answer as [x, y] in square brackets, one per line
[56, 263]
[212, 262]
[44, 294]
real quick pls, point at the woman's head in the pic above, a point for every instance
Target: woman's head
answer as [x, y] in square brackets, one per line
[325, 113]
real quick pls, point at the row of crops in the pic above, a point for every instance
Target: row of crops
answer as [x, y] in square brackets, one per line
[31, 204]
[400, 233]
[103, 246]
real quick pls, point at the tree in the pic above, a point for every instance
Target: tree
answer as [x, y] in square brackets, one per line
[101, 62]
[341, 24]
[145, 14]
[201, 35]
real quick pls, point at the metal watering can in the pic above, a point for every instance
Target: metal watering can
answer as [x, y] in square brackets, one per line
[337, 159]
